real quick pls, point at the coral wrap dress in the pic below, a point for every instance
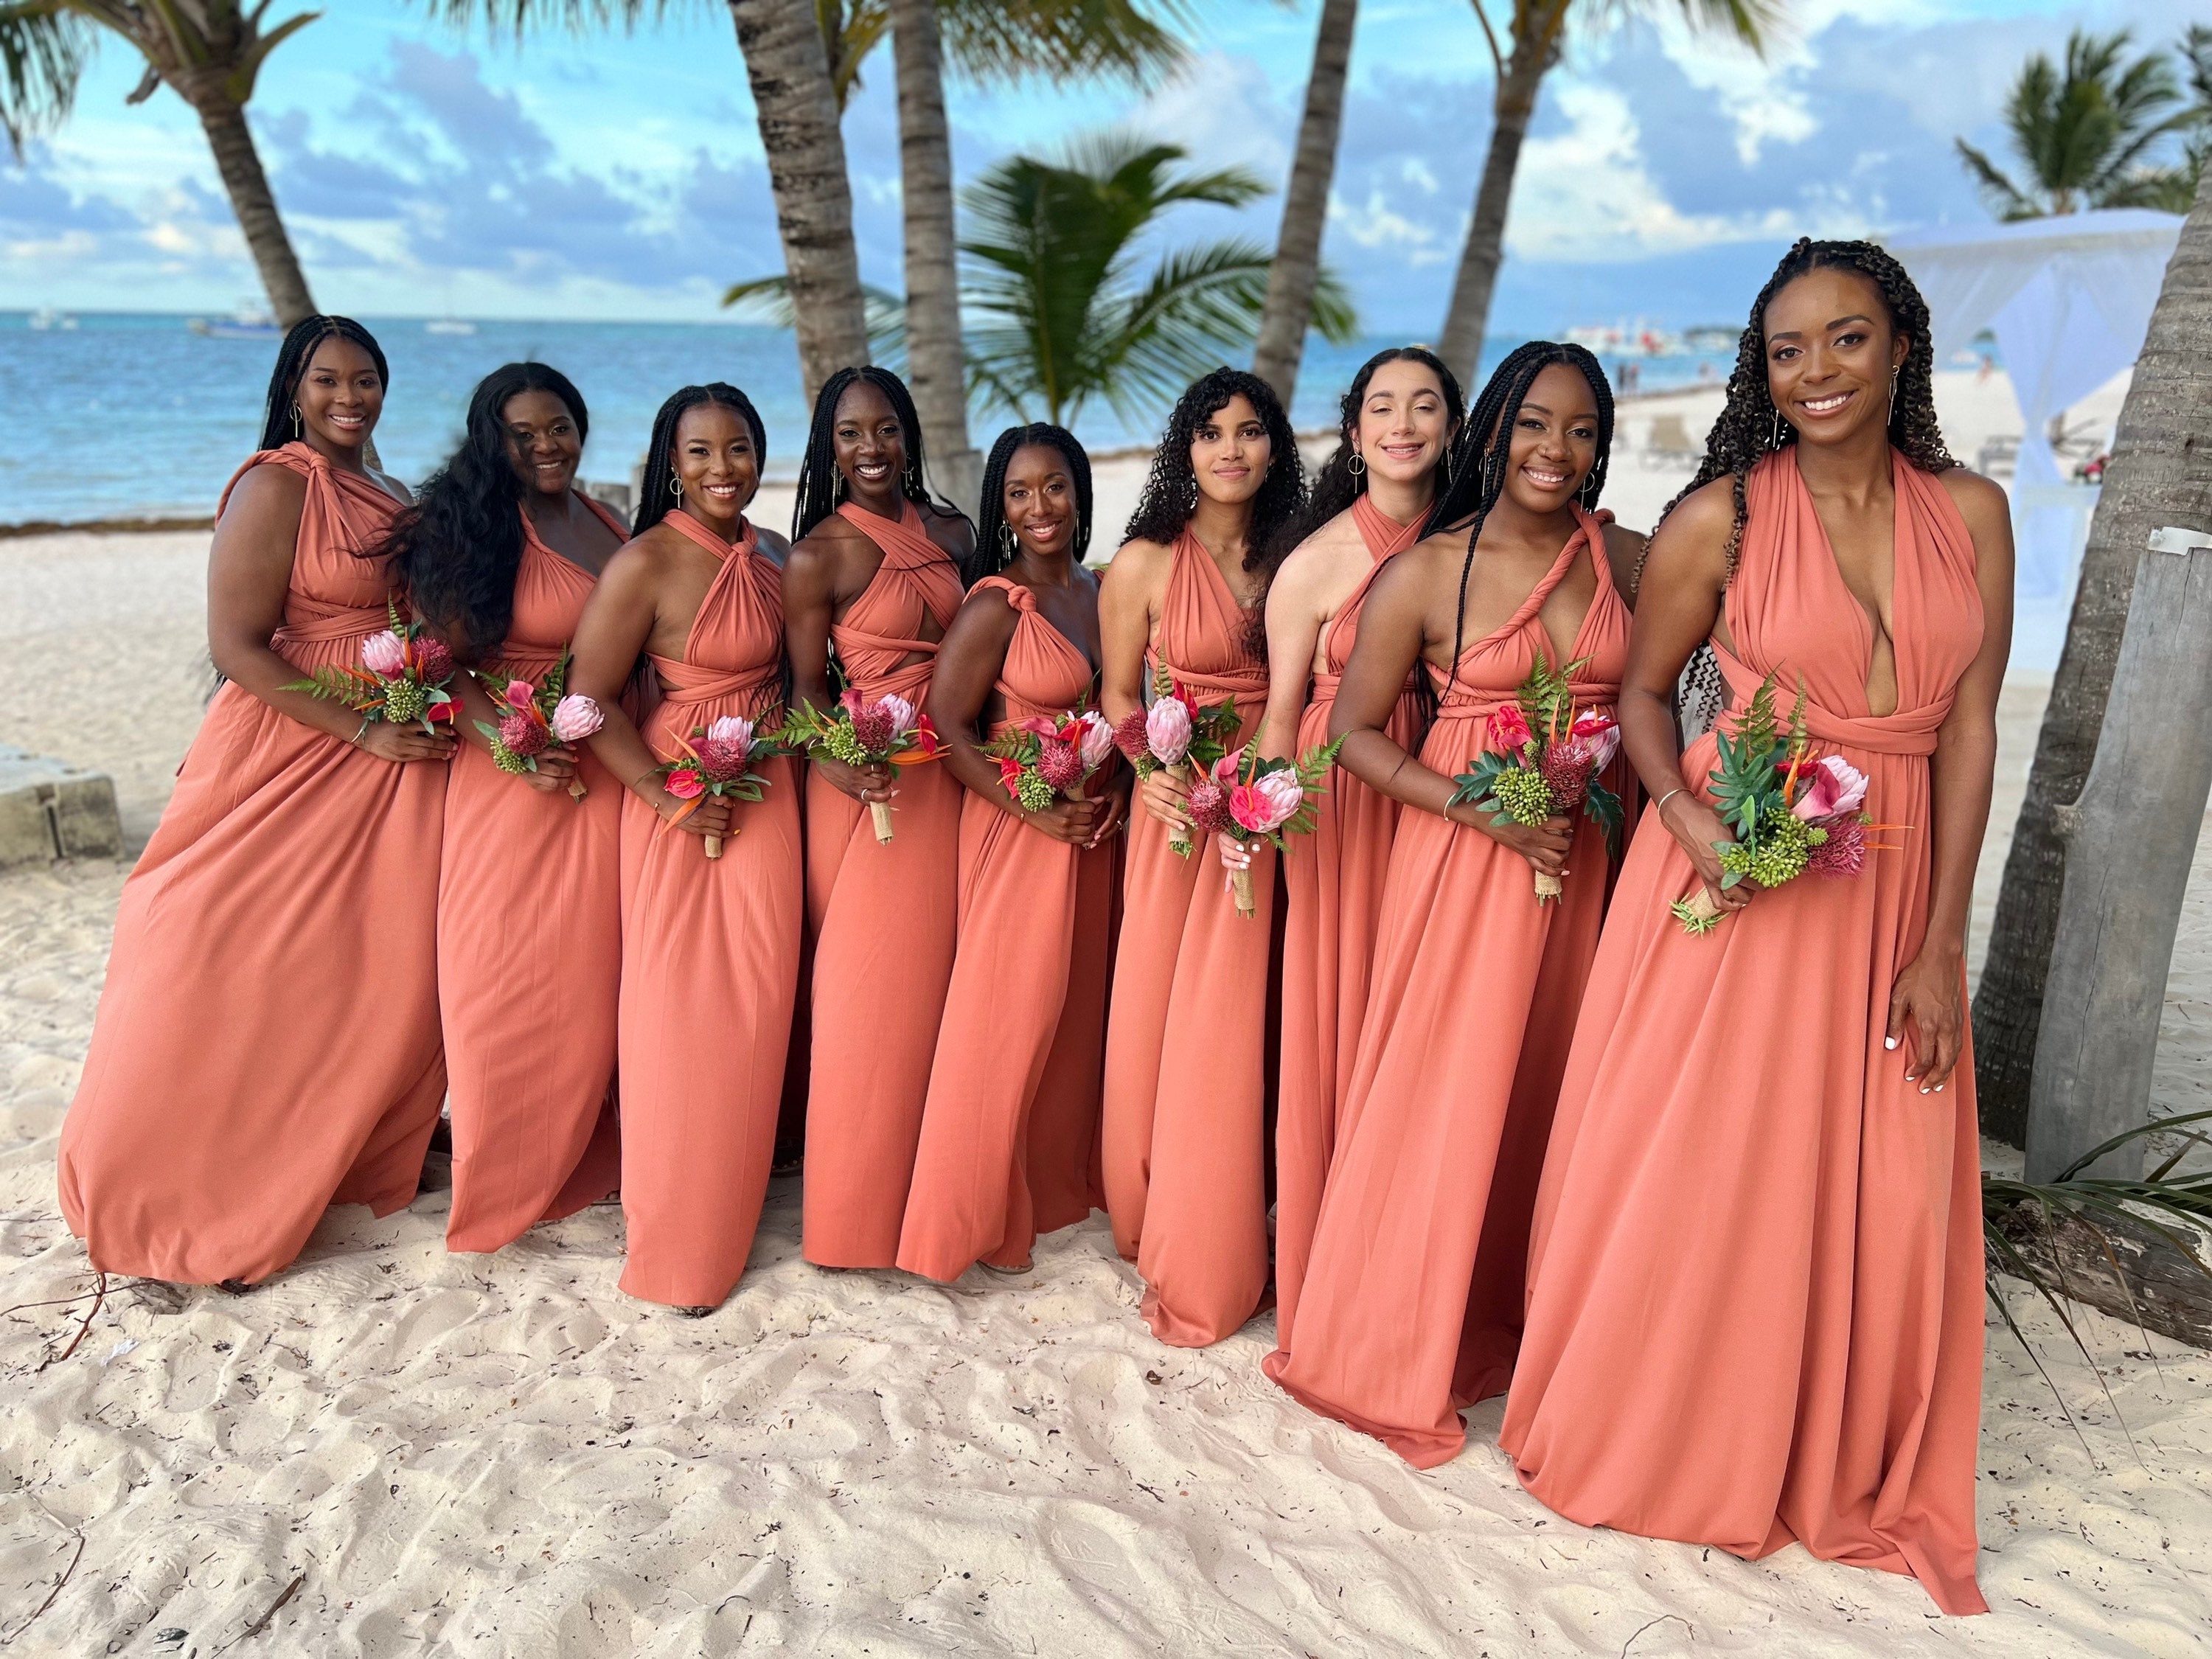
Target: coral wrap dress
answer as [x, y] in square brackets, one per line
[883, 914]
[1332, 883]
[1414, 1291]
[530, 952]
[1013, 1112]
[267, 1039]
[1184, 1124]
[709, 960]
[1756, 1290]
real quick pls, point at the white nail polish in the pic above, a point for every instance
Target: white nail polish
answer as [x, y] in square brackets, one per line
[1939, 1088]
[1889, 1043]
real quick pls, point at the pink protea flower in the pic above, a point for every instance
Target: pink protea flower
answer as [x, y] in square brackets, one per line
[1059, 763]
[900, 712]
[1601, 733]
[727, 748]
[1843, 852]
[575, 718]
[1829, 786]
[1209, 807]
[385, 655]
[1508, 729]
[1167, 730]
[432, 661]
[523, 735]
[1097, 740]
[1267, 803]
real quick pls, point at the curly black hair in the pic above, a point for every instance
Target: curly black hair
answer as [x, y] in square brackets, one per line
[1750, 427]
[1171, 492]
[277, 426]
[820, 486]
[1337, 486]
[655, 497]
[1486, 440]
[456, 550]
[993, 551]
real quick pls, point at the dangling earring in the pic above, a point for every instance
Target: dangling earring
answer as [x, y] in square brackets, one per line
[295, 420]
[1774, 438]
[1006, 541]
[1894, 373]
[1586, 493]
[837, 490]
[1494, 475]
[675, 484]
[1357, 465]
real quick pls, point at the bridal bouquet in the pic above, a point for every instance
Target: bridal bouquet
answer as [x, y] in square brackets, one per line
[1791, 811]
[1543, 762]
[1251, 799]
[720, 763]
[1042, 759]
[1176, 735]
[861, 732]
[534, 718]
[402, 678]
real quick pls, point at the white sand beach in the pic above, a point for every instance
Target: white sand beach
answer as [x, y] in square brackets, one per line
[423, 1454]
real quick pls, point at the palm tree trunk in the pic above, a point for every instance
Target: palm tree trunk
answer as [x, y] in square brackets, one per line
[1464, 323]
[252, 200]
[788, 68]
[1306, 206]
[2160, 474]
[936, 369]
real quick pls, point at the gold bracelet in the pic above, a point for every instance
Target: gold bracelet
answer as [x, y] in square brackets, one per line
[1659, 807]
[356, 739]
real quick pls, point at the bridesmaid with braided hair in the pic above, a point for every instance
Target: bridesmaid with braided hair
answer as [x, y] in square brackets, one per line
[872, 582]
[1411, 1305]
[1756, 1298]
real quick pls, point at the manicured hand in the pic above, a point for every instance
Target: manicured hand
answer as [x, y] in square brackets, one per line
[1235, 854]
[555, 769]
[1075, 821]
[866, 783]
[1927, 1009]
[1695, 827]
[405, 742]
[1168, 799]
[1112, 818]
[1544, 845]
[710, 814]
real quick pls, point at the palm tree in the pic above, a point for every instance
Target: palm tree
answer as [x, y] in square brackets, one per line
[1062, 315]
[2085, 133]
[208, 53]
[1534, 40]
[1305, 206]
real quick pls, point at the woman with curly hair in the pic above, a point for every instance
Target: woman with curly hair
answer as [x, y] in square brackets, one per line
[1397, 424]
[1411, 1304]
[1011, 1125]
[497, 556]
[872, 582]
[1184, 1153]
[1755, 1302]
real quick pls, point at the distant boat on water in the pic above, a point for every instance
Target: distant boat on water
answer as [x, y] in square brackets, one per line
[46, 317]
[249, 322]
[1643, 339]
[449, 326]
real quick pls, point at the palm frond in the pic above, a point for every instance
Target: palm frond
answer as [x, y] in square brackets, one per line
[522, 18]
[42, 54]
[2006, 199]
[1007, 42]
[768, 299]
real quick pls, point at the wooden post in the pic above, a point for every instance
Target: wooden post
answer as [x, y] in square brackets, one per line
[2129, 842]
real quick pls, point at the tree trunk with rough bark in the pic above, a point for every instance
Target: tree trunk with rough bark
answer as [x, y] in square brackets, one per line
[1461, 346]
[1289, 311]
[2160, 472]
[788, 68]
[252, 200]
[936, 366]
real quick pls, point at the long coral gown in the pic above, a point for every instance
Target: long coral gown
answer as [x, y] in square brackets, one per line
[1014, 1088]
[1756, 1296]
[710, 959]
[884, 915]
[1412, 1295]
[530, 953]
[267, 1039]
[1184, 1125]
[1332, 883]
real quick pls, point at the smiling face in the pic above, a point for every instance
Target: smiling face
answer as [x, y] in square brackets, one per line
[1554, 442]
[339, 395]
[716, 461]
[542, 440]
[1831, 350]
[871, 447]
[1039, 499]
[1404, 426]
[1230, 451]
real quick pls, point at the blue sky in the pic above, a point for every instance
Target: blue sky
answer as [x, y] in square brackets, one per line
[605, 176]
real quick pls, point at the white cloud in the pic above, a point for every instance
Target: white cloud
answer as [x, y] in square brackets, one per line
[1375, 225]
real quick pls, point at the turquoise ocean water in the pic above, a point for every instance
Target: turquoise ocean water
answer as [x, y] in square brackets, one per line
[135, 415]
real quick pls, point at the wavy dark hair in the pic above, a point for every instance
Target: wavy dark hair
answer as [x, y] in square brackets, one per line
[1336, 486]
[991, 555]
[456, 550]
[820, 486]
[292, 358]
[1171, 492]
[655, 500]
[1486, 440]
[1750, 427]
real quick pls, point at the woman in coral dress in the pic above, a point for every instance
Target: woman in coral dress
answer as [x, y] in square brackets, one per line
[1012, 1119]
[1184, 1129]
[267, 1039]
[710, 886]
[497, 556]
[872, 585]
[1399, 419]
[1755, 1306]
[1412, 1299]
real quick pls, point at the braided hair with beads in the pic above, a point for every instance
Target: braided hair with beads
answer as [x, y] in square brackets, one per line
[278, 427]
[821, 485]
[993, 550]
[1478, 473]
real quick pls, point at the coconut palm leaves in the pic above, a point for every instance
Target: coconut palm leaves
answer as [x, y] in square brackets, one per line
[1060, 312]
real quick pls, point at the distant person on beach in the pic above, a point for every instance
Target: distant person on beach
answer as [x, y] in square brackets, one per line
[267, 1042]
[1756, 1301]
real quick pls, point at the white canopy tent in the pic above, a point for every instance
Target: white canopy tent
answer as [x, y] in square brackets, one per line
[2069, 299]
